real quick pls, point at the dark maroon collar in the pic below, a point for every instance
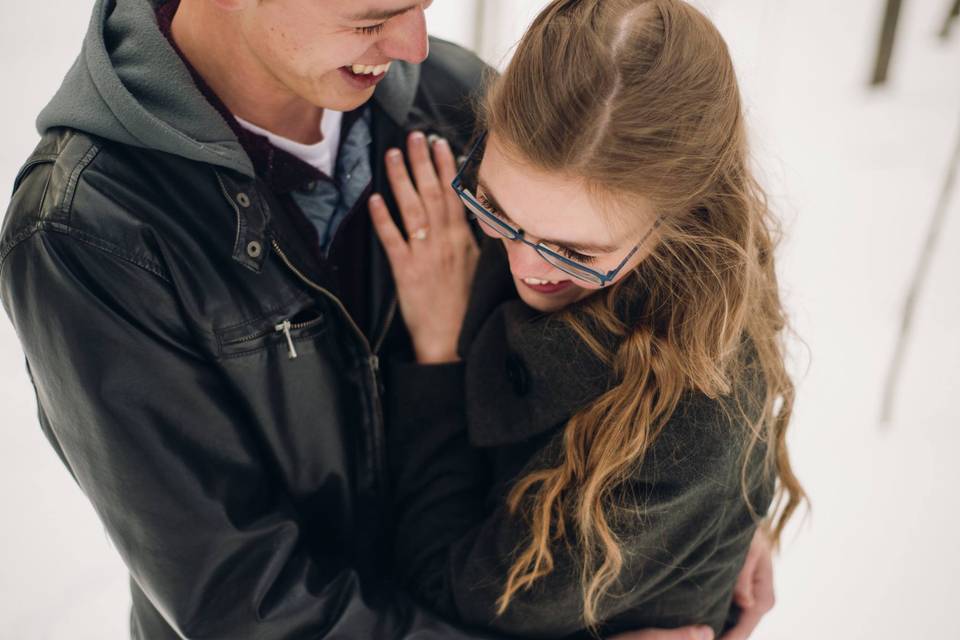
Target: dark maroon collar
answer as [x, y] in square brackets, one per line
[282, 171]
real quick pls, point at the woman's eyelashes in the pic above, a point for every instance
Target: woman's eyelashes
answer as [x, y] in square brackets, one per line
[373, 30]
[566, 252]
[482, 197]
[576, 256]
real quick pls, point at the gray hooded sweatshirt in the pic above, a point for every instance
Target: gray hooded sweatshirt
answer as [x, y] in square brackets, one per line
[130, 86]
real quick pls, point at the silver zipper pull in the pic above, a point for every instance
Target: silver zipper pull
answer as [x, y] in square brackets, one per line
[284, 328]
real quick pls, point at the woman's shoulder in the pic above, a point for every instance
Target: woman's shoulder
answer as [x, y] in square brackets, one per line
[717, 431]
[705, 439]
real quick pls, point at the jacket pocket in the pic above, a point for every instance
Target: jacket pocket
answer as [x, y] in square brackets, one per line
[277, 331]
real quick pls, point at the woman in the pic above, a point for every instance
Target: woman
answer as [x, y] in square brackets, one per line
[600, 458]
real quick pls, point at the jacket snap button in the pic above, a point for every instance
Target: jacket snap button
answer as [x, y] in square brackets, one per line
[254, 249]
[517, 375]
[243, 200]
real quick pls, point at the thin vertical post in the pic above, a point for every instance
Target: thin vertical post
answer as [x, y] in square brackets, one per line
[952, 15]
[888, 34]
[479, 25]
[916, 284]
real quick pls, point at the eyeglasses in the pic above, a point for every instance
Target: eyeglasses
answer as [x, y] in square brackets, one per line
[551, 254]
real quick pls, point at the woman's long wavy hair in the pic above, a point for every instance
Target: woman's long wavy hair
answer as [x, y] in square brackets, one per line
[639, 99]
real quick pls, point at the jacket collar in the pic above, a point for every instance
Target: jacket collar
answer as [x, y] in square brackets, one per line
[526, 372]
[397, 91]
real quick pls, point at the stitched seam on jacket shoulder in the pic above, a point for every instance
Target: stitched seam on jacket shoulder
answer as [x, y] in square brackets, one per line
[30, 165]
[109, 247]
[66, 200]
[14, 242]
[30, 229]
[100, 244]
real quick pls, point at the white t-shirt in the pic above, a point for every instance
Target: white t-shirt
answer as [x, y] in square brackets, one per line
[322, 155]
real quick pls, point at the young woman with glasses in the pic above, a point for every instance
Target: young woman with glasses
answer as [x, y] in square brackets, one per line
[592, 425]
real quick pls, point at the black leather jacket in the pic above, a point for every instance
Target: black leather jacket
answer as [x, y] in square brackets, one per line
[208, 391]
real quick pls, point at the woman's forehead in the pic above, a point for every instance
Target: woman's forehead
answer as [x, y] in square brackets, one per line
[552, 205]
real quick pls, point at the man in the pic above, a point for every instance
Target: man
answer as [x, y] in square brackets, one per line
[189, 265]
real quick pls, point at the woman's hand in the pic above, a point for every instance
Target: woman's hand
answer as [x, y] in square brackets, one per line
[433, 269]
[753, 593]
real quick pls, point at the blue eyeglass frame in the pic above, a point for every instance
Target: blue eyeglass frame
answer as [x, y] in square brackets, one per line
[584, 272]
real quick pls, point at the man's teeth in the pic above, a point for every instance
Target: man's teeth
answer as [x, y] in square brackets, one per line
[537, 282]
[366, 69]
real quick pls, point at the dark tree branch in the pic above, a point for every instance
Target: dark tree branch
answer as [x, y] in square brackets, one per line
[888, 34]
[916, 284]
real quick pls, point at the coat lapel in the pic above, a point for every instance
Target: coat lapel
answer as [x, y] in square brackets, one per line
[527, 372]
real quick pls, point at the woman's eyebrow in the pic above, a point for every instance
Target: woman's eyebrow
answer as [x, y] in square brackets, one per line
[574, 246]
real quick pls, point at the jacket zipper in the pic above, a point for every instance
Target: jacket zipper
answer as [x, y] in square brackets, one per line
[391, 313]
[284, 328]
[317, 287]
[373, 361]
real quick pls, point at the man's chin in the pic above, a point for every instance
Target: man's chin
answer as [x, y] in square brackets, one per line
[347, 103]
[343, 99]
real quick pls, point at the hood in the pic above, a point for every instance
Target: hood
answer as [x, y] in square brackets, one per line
[130, 86]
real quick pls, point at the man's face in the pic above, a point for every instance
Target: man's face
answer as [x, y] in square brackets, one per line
[314, 47]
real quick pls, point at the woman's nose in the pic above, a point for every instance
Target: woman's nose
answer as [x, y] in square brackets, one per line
[525, 262]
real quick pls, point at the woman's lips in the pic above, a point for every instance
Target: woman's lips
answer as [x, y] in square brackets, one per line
[361, 81]
[548, 289]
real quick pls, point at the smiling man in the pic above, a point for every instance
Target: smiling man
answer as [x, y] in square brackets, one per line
[190, 268]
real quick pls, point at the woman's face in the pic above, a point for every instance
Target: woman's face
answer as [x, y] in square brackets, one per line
[560, 211]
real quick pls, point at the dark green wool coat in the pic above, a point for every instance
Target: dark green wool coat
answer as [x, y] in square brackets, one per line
[460, 434]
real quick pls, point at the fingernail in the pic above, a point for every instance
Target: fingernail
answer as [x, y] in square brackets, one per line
[394, 155]
[433, 139]
[704, 633]
[417, 137]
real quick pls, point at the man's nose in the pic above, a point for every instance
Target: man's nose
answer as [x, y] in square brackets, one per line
[407, 40]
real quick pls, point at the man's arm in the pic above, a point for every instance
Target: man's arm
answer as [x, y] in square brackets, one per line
[206, 530]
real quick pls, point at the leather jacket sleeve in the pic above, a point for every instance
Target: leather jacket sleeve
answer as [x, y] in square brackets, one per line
[165, 451]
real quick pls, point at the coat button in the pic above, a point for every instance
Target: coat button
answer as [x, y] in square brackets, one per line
[254, 249]
[243, 200]
[517, 375]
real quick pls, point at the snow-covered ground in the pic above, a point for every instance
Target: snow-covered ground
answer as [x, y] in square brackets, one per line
[855, 174]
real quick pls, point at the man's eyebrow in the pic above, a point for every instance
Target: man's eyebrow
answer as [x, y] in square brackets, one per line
[371, 15]
[574, 246]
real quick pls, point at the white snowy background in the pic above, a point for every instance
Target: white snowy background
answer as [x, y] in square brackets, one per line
[855, 174]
